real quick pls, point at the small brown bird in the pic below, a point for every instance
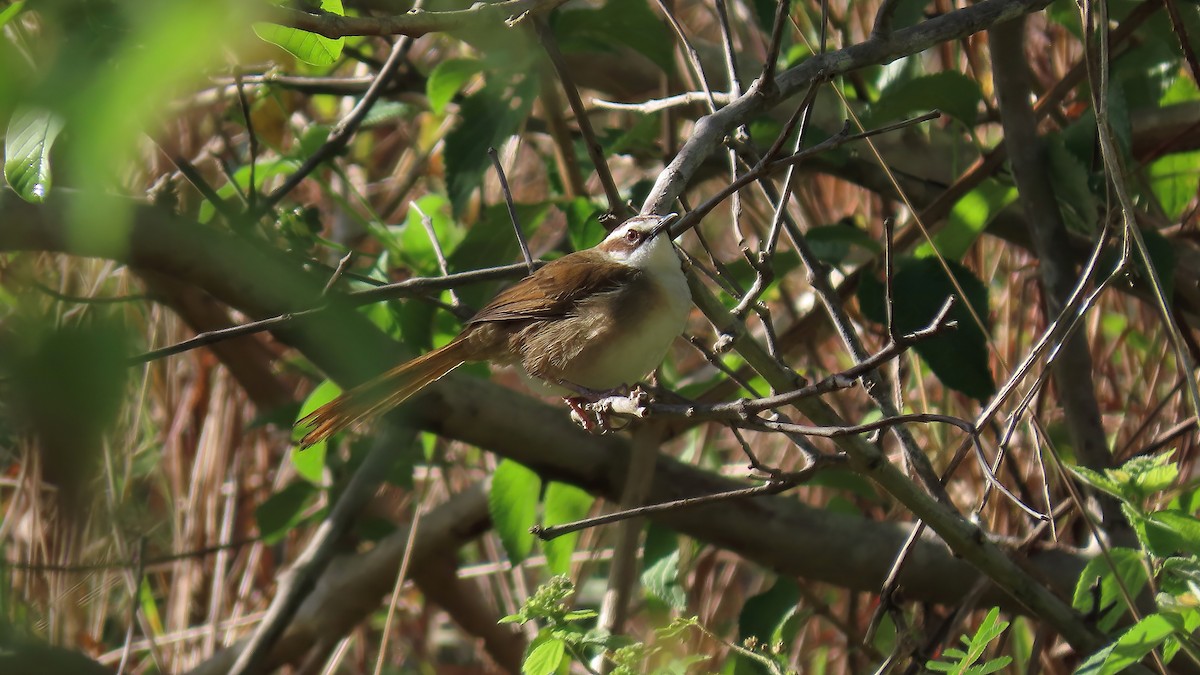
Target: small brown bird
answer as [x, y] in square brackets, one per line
[592, 320]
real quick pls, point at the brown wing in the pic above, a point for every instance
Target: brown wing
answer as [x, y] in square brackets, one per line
[554, 290]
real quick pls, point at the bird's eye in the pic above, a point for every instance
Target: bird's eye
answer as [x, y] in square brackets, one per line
[633, 236]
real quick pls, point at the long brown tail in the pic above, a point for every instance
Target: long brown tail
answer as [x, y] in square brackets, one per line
[381, 393]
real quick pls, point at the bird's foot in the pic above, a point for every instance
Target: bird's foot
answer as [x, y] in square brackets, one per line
[585, 414]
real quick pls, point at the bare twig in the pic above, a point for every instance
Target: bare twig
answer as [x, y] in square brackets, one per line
[512, 210]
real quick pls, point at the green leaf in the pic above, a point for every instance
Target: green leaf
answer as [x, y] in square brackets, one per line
[661, 580]
[264, 170]
[763, 617]
[626, 22]
[563, 504]
[490, 242]
[968, 219]
[832, 243]
[310, 461]
[416, 248]
[283, 510]
[1128, 649]
[951, 92]
[512, 503]
[583, 223]
[1175, 180]
[489, 117]
[1107, 598]
[1100, 481]
[1072, 187]
[959, 358]
[544, 656]
[1174, 531]
[31, 134]
[447, 79]
[308, 47]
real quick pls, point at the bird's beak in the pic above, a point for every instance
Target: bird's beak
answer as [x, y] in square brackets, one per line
[663, 225]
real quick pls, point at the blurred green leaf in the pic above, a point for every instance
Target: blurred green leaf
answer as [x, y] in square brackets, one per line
[763, 617]
[968, 219]
[625, 22]
[1175, 180]
[512, 503]
[544, 656]
[563, 504]
[951, 92]
[282, 511]
[10, 12]
[416, 248]
[583, 223]
[1170, 532]
[1072, 186]
[447, 79]
[308, 47]
[832, 243]
[488, 118]
[31, 134]
[959, 358]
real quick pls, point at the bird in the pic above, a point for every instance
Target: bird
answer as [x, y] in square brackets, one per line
[589, 322]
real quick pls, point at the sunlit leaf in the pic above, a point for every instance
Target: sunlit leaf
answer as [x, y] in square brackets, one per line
[512, 503]
[1128, 649]
[545, 653]
[563, 504]
[31, 134]
[447, 79]
[308, 47]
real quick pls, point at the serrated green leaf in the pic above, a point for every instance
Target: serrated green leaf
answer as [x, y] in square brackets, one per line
[1128, 649]
[951, 92]
[1102, 482]
[308, 47]
[1072, 187]
[283, 510]
[488, 118]
[447, 79]
[1183, 529]
[563, 504]
[959, 358]
[544, 656]
[512, 503]
[661, 580]
[1108, 598]
[30, 136]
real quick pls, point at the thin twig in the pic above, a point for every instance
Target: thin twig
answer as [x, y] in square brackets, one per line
[512, 210]
[344, 130]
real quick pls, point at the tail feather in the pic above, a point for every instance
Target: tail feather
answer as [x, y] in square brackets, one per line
[381, 393]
